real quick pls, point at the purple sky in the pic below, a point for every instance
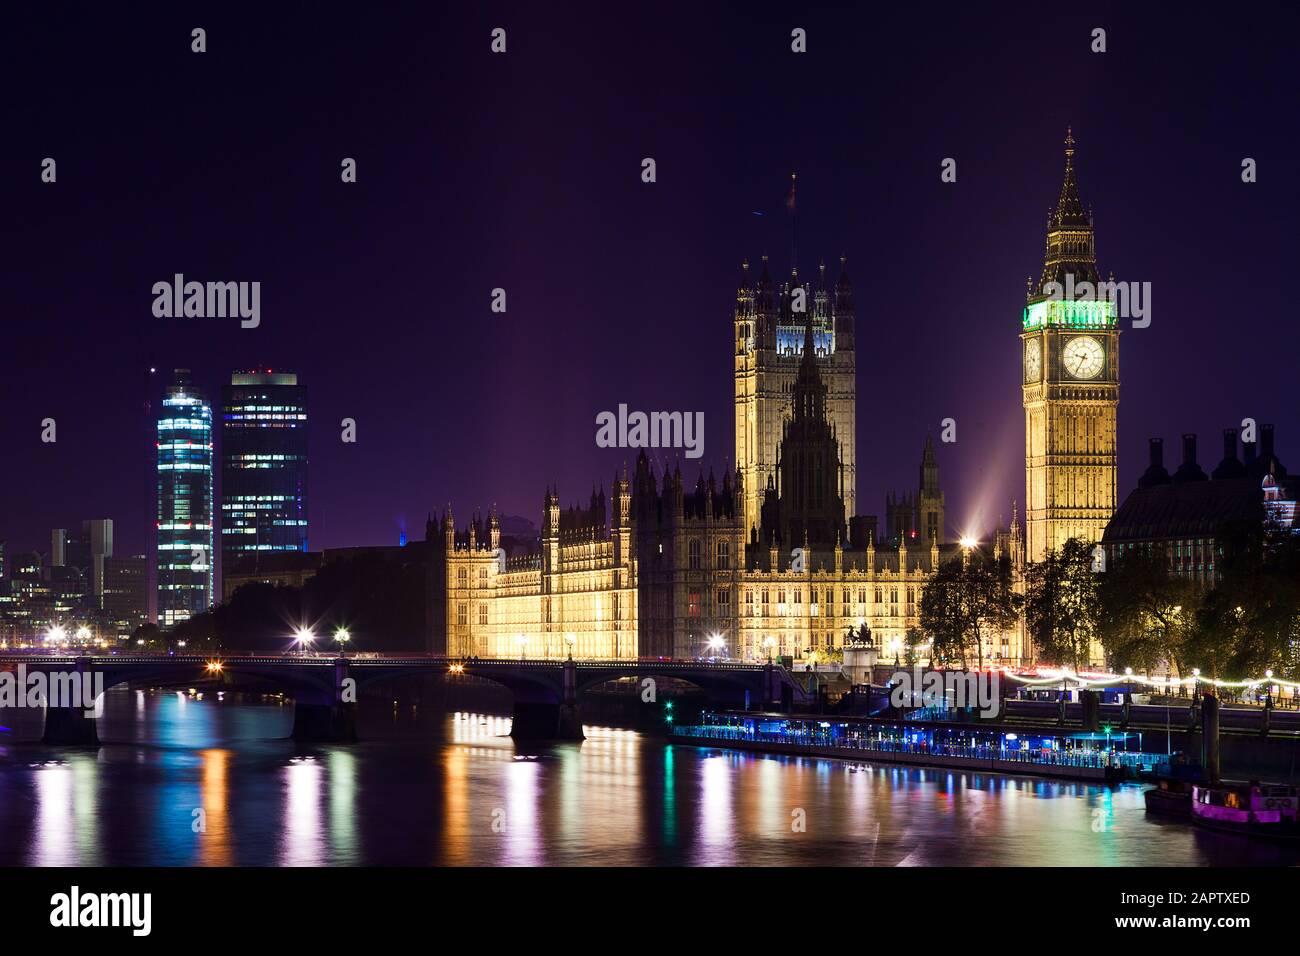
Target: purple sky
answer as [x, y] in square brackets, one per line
[523, 171]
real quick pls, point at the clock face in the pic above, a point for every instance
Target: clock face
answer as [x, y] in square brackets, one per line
[1083, 357]
[1033, 360]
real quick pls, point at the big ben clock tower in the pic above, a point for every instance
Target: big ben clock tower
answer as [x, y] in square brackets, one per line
[1069, 348]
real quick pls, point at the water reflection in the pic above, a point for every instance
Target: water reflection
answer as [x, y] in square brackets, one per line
[214, 832]
[52, 842]
[474, 797]
[304, 841]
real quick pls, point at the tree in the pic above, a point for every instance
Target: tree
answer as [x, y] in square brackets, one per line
[964, 600]
[943, 613]
[912, 642]
[1144, 611]
[1061, 605]
[1249, 621]
[146, 635]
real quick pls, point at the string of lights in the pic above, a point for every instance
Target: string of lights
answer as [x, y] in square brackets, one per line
[1049, 676]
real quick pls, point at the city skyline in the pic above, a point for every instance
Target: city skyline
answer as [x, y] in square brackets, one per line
[452, 415]
[648, 437]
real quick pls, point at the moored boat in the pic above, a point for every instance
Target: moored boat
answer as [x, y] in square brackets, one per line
[1170, 796]
[1255, 809]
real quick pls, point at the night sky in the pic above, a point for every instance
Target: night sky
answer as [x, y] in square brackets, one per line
[523, 171]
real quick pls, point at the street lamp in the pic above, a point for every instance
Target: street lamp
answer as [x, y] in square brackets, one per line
[304, 636]
[341, 637]
[522, 640]
[56, 635]
[769, 642]
[716, 644]
[570, 639]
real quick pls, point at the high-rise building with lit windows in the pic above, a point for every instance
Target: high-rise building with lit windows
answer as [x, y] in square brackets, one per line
[263, 468]
[185, 527]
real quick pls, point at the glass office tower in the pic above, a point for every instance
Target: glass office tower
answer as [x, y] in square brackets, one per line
[185, 541]
[263, 467]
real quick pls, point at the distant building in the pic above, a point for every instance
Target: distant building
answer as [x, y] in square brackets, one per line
[35, 598]
[263, 470]
[185, 539]
[917, 516]
[770, 320]
[84, 551]
[1189, 513]
[663, 571]
[68, 549]
[1070, 385]
[285, 568]
[124, 593]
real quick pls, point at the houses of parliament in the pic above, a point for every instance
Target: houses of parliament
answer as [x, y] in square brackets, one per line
[772, 560]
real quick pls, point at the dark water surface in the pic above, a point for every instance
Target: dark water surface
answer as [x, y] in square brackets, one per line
[471, 796]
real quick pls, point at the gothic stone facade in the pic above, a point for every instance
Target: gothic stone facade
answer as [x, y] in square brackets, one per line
[667, 572]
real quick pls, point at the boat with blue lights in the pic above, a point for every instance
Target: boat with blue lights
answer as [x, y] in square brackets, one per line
[999, 748]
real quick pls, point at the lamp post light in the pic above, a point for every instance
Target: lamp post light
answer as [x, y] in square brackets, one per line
[769, 642]
[570, 639]
[717, 644]
[522, 641]
[341, 637]
[304, 637]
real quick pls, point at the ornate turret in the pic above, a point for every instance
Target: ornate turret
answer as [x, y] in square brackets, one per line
[844, 314]
[810, 488]
[1070, 244]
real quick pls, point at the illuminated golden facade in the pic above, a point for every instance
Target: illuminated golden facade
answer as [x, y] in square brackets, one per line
[1070, 386]
[760, 563]
[681, 574]
[575, 595]
[769, 332]
[671, 573]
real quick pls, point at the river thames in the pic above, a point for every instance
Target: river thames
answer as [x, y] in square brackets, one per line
[181, 781]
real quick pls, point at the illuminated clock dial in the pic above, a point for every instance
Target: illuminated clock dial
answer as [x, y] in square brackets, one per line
[1083, 357]
[1033, 360]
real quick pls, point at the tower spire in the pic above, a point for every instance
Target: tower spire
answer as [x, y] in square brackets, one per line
[792, 205]
[1070, 247]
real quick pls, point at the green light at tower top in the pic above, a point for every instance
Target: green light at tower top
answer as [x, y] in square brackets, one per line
[1077, 314]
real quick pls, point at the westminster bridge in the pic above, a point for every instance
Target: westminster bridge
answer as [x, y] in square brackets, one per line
[325, 688]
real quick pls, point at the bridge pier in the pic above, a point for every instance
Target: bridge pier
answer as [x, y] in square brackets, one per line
[542, 719]
[72, 722]
[70, 727]
[324, 723]
[538, 720]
